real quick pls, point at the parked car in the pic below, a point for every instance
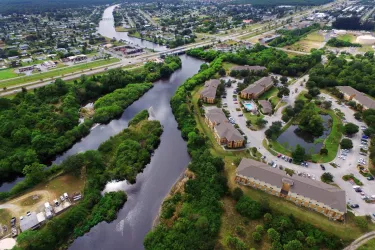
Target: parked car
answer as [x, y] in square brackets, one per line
[354, 206]
[263, 157]
[290, 160]
[240, 115]
[322, 167]
[358, 190]
[370, 178]
[28, 213]
[13, 221]
[278, 155]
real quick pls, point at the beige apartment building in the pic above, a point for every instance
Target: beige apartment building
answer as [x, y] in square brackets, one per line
[208, 93]
[351, 94]
[225, 133]
[253, 91]
[315, 195]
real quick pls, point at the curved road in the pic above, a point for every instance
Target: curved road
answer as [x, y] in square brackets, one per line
[360, 241]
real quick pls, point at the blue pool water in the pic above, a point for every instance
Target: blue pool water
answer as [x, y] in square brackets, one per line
[248, 106]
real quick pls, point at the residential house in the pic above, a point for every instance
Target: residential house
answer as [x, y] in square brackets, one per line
[266, 106]
[315, 195]
[256, 89]
[208, 93]
[351, 94]
[225, 133]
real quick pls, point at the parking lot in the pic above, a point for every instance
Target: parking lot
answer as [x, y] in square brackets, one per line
[346, 161]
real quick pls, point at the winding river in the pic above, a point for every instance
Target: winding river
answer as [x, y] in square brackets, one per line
[167, 164]
[106, 29]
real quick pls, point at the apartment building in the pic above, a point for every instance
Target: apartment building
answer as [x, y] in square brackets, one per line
[208, 93]
[315, 195]
[253, 91]
[225, 133]
[351, 94]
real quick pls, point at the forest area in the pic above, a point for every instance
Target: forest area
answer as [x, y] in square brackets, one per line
[39, 124]
[121, 157]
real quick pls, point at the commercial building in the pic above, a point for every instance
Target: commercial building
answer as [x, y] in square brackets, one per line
[27, 68]
[351, 94]
[29, 222]
[253, 91]
[315, 195]
[225, 133]
[208, 93]
[76, 59]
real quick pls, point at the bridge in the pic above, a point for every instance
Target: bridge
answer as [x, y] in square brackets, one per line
[107, 19]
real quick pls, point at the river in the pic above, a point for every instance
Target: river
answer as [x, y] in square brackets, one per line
[106, 29]
[167, 164]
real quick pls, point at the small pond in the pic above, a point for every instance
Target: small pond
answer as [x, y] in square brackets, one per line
[293, 136]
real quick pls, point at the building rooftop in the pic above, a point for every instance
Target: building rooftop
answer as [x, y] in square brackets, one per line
[316, 190]
[266, 106]
[210, 88]
[216, 115]
[247, 67]
[357, 95]
[227, 130]
[29, 222]
[258, 86]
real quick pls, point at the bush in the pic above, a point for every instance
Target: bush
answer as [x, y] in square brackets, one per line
[249, 208]
[361, 222]
[327, 177]
[256, 236]
[237, 193]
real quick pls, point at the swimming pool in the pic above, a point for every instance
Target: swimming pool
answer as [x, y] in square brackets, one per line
[248, 106]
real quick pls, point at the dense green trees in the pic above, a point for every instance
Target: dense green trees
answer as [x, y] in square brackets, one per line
[100, 167]
[299, 154]
[310, 120]
[334, 42]
[326, 177]
[38, 125]
[358, 73]
[276, 61]
[350, 128]
[346, 143]
[274, 130]
[113, 104]
[289, 37]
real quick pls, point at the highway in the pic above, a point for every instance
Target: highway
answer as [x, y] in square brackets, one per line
[142, 58]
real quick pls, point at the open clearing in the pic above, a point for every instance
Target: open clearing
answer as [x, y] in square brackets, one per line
[314, 40]
[347, 37]
[5, 217]
[7, 73]
[37, 196]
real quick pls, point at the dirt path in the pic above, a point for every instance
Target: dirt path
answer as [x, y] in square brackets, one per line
[360, 241]
[17, 209]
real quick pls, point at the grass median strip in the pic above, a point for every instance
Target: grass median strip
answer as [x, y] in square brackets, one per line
[55, 73]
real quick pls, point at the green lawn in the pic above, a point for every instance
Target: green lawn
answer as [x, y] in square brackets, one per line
[347, 37]
[57, 72]
[369, 245]
[271, 92]
[332, 141]
[7, 73]
[253, 118]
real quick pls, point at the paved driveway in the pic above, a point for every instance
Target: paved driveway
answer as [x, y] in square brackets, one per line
[347, 166]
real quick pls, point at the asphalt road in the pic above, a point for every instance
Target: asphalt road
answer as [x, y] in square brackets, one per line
[347, 166]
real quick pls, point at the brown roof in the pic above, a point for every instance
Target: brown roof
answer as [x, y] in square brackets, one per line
[258, 86]
[316, 190]
[247, 67]
[266, 106]
[226, 130]
[216, 115]
[210, 87]
[359, 96]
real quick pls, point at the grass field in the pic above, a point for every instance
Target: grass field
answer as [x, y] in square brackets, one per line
[55, 73]
[369, 245]
[7, 73]
[347, 37]
[314, 40]
[271, 92]
[227, 66]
